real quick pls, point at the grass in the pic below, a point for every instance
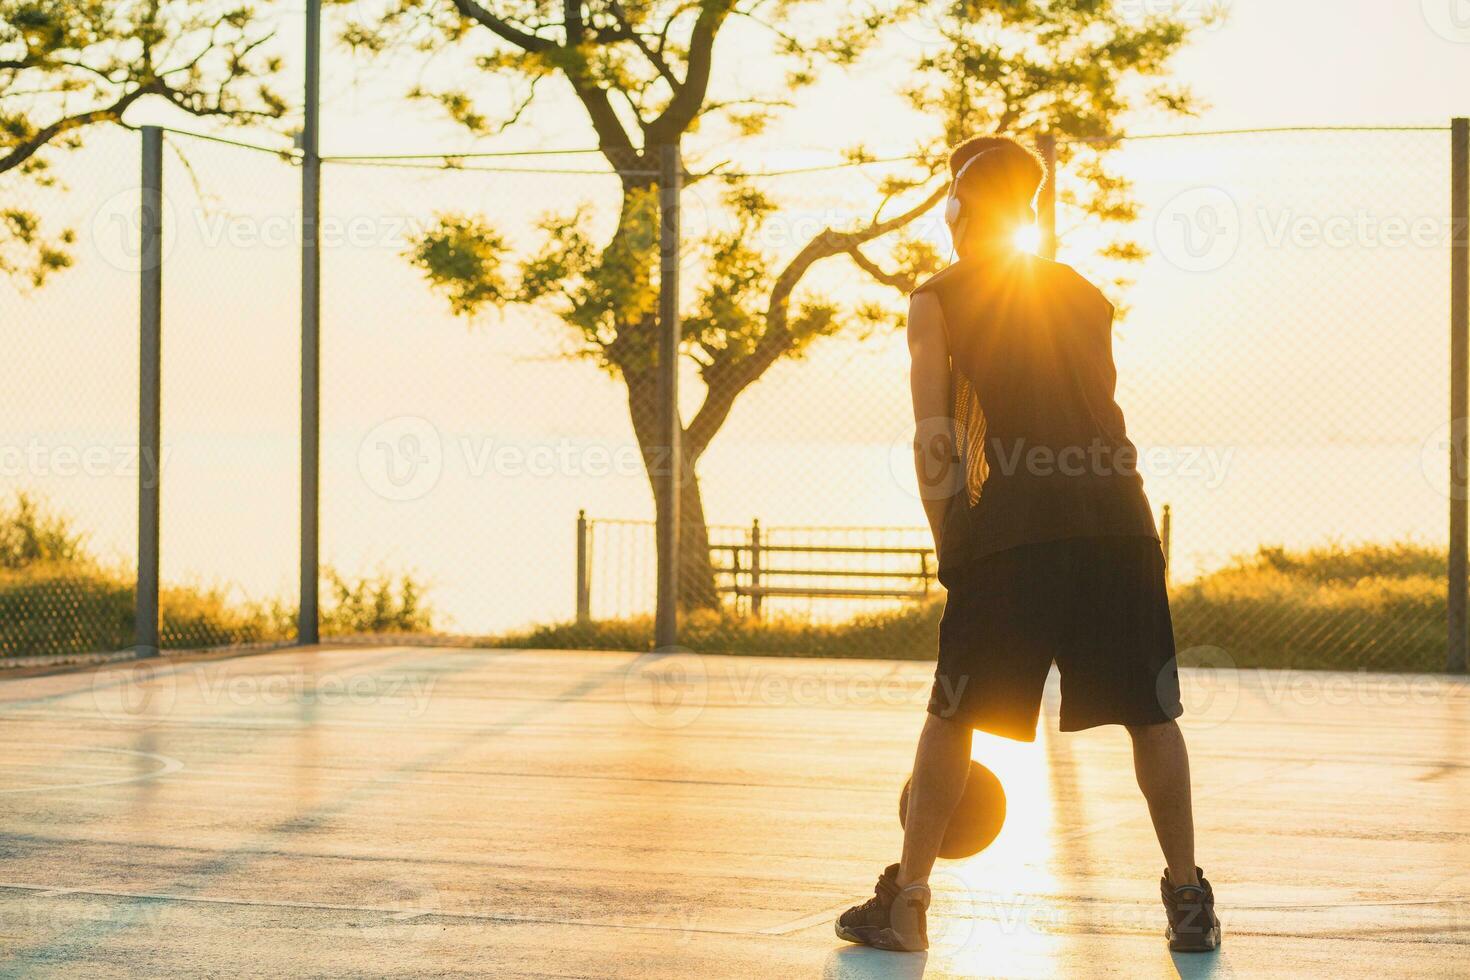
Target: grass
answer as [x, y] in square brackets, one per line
[903, 634]
[1371, 606]
[57, 599]
[1375, 607]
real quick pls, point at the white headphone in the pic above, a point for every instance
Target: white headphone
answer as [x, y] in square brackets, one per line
[954, 207]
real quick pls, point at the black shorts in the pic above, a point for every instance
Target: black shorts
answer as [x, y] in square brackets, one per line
[1096, 606]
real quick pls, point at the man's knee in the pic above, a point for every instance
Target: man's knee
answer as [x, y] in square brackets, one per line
[1160, 729]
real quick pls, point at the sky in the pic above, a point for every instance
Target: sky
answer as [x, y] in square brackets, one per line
[1306, 62]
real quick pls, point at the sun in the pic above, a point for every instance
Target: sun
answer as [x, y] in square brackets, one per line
[1026, 238]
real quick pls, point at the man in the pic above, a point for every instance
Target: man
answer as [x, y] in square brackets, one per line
[1046, 541]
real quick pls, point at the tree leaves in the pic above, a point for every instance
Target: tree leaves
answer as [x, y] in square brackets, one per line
[464, 258]
[68, 65]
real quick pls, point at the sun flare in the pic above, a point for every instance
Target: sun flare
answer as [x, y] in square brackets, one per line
[1026, 238]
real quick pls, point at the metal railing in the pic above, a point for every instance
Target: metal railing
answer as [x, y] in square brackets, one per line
[747, 576]
[745, 570]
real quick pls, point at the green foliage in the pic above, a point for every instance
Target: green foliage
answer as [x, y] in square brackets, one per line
[1340, 565]
[904, 634]
[67, 65]
[1079, 69]
[1369, 607]
[1373, 607]
[643, 74]
[378, 604]
[56, 599]
[26, 253]
[30, 536]
[607, 295]
[464, 257]
[63, 608]
[1076, 67]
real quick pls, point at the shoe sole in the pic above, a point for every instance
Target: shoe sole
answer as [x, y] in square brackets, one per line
[853, 937]
[1207, 943]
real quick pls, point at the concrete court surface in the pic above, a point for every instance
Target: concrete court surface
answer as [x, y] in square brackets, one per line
[400, 811]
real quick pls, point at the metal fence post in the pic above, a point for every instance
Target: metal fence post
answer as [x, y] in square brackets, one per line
[584, 583]
[755, 569]
[150, 387]
[666, 620]
[308, 619]
[1459, 391]
[1046, 201]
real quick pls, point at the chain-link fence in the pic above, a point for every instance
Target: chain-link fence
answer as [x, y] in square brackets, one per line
[1283, 367]
[69, 404]
[1281, 362]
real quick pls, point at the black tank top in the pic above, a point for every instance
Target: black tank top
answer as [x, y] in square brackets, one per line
[1041, 440]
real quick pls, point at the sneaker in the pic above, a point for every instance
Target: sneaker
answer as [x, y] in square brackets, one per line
[894, 918]
[1193, 927]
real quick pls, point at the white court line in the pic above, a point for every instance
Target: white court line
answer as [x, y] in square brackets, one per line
[168, 767]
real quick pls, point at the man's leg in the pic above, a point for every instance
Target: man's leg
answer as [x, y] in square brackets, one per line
[941, 765]
[1161, 763]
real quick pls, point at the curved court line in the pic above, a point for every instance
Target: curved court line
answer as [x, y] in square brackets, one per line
[169, 765]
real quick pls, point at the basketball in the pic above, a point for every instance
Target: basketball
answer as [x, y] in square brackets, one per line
[977, 818]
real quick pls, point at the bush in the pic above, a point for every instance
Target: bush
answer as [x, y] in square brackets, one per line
[909, 633]
[63, 608]
[56, 599]
[1380, 607]
[29, 537]
[1376, 607]
[371, 605]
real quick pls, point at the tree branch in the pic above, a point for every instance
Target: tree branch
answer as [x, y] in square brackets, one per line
[687, 100]
[501, 28]
[26, 149]
[724, 383]
[654, 57]
[904, 284]
[572, 21]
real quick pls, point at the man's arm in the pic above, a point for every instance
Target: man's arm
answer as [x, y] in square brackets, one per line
[929, 382]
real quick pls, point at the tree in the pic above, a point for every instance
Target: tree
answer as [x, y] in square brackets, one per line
[1078, 69]
[69, 65]
[642, 72]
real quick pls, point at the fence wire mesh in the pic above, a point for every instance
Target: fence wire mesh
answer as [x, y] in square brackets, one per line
[231, 349]
[1281, 362]
[69, 404]
[1285, 362]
